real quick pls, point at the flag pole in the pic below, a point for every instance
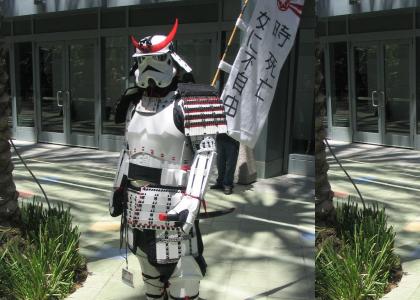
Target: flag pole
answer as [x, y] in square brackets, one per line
[232, 35]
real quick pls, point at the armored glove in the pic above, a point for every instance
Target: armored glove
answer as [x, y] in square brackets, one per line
[185, 212]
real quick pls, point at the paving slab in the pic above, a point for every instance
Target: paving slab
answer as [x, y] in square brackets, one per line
[264, 250]
[390, 177]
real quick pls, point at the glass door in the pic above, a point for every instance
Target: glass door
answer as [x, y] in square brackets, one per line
[81, 93]
[67, 93]
[366, 70]
[398, 102]
[382, 103]
[52, 87]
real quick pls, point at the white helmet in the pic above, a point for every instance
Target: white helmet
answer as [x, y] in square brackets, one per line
[155, 59]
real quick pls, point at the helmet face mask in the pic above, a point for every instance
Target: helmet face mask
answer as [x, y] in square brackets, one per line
[156, 60]
[159, 68]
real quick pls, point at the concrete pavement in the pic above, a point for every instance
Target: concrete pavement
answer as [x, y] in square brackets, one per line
[390, 177]
[265, 250]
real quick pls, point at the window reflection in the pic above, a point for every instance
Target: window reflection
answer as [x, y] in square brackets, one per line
[24, 84]
[339, 85]
[397, 92]
[366, 83]
[197, 53]
[82, 88]
[51, 76]
[114, 61]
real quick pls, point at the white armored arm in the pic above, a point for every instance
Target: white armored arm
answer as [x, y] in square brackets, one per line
[188, 208]
[201, 168]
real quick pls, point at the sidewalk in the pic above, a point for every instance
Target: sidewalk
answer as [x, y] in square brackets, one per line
[389, 176]
[264, 250]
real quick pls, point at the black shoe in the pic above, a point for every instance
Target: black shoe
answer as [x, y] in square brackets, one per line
[216, 187]
[227, 190]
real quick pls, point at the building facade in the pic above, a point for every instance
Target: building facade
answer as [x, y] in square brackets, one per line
[372, 70]
[69, 63]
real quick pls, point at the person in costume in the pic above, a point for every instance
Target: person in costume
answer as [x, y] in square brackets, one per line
[164, 167]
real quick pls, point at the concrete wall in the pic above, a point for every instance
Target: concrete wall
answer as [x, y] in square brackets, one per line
[328, 8]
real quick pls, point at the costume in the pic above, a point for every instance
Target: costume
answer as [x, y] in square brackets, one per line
[163, 170]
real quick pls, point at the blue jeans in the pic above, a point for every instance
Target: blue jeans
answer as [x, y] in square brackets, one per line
[227, 156]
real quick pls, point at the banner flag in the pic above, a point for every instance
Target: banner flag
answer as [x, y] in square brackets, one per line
[249, 91]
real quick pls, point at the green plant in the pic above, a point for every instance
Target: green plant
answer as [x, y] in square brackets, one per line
[45, 267]
[359, 266]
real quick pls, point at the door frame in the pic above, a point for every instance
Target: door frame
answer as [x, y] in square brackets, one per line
[382, 137]
[46, 136]
[67, 138]
[363, 136]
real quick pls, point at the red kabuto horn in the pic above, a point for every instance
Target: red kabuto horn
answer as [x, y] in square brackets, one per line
[135, 42]
[158, 46]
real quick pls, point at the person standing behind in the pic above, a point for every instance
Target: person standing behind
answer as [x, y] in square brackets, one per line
[227, 157]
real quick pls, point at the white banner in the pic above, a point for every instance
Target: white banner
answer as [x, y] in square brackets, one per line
[252, 82]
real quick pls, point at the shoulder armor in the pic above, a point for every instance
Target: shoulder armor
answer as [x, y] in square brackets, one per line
[203, 110]
[195, 89]
[131, 95]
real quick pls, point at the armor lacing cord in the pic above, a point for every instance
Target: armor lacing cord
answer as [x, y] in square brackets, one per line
[199, 199]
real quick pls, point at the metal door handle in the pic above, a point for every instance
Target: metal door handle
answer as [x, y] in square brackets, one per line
[373, 98]
[58, 96]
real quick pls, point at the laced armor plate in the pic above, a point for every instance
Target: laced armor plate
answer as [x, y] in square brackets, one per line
[146, 203]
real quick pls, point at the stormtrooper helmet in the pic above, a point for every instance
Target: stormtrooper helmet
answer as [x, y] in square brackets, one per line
[156, 59]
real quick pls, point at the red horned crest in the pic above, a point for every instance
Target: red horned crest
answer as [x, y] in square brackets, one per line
[145, 47]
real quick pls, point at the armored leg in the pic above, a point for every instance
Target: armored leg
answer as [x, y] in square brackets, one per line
[155, 289]
[185, 281]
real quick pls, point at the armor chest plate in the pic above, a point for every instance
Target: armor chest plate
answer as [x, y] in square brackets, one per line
[153, 139]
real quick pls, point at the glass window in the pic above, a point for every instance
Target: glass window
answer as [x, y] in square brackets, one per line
[380, 23]
[336, 26]
[339, 84]
[321, 28]
[197, 53]
[22, 26]
[67, 22]
[165, 14]
[231, 9]
[24, 84]
[6, 28]
[113, 18]
[82, 87]
[114, 63]
[397, 87]
[51, 80]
